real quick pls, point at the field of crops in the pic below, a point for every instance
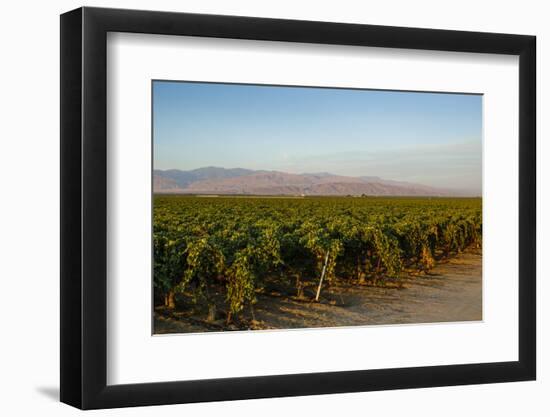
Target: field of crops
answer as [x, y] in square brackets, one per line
[238, 246]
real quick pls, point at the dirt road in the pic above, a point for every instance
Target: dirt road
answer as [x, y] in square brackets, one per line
[451, 292]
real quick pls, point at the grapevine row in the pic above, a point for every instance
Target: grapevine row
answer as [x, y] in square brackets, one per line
[243, 244]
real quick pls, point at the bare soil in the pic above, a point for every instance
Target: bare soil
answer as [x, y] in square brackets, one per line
[452, 291]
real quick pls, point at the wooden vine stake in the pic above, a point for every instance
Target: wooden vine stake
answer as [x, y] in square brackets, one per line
[322, 276]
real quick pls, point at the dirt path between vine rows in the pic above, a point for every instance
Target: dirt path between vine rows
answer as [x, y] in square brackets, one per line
[451, 292]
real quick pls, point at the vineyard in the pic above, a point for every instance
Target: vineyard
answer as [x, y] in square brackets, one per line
[236, 248]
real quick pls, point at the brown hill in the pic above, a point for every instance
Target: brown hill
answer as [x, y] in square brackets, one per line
[281, 183]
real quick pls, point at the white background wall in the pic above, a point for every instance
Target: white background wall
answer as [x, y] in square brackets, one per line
[29, 213]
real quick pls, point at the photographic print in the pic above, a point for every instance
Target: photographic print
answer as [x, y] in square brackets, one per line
[289, 207]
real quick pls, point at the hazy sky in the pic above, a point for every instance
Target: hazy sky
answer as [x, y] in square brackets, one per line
[429, 138]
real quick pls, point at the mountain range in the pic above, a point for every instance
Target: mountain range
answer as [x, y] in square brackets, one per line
[216, 180]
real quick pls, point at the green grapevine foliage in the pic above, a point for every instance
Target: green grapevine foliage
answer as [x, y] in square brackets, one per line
[238, 244]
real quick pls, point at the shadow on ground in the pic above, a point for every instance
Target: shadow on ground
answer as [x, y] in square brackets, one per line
[50, 392]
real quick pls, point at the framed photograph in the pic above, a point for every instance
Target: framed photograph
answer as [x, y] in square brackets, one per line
[257, 207]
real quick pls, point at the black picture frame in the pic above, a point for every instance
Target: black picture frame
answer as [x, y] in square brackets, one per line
[84, 207]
